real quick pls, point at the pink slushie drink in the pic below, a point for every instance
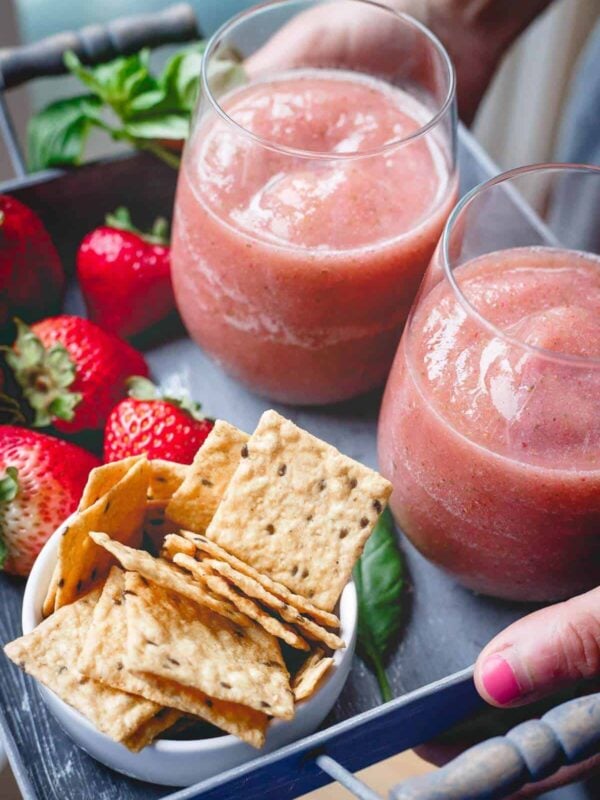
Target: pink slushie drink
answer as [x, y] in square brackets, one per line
[303, 228]
[491, 435]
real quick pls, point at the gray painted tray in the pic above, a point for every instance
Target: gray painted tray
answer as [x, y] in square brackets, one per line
[447, 625]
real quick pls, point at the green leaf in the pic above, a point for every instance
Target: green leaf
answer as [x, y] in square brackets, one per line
[143, 389]
[9, 485]
[45, 376]
[9, 488]
[181, 75]
[117, 82]
[162, 126]
[149, 109]
[121, 219]
[379, 578]
[56, 136]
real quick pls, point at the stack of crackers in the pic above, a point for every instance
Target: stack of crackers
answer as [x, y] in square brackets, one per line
[255, 541]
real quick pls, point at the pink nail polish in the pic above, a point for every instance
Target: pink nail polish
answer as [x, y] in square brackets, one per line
[499, 680]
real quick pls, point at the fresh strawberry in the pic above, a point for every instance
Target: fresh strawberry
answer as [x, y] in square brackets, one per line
[31, 274]
[41, 481]
[71, 371]
[160, 427]
[125, 275]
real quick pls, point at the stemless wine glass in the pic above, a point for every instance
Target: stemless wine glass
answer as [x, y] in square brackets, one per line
[490, 424]
[312, 193]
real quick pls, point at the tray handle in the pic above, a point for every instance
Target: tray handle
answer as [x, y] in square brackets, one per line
[97, 43]
[530, 752]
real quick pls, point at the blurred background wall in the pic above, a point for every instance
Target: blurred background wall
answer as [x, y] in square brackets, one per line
[518, 120]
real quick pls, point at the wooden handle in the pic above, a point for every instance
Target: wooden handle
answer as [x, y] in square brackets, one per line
[97, 43]
[529, 752]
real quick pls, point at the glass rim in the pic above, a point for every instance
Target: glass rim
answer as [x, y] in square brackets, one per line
[469, 308]
[319, 154]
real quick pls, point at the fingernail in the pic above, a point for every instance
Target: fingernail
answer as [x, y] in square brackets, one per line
[499, 680]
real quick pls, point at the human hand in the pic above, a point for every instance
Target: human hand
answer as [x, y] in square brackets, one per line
[535, 657]
[476, 34]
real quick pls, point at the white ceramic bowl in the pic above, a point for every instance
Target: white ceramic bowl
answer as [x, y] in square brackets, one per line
[182, 763]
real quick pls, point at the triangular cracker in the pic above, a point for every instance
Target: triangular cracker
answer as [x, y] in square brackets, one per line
[167, 575]
[195, 502]
[174, 543]
[50, 652]
[165, 479]
[149, 731]
[310, 674]
[170, 637]
[103, 658]
[102, 479]
[290, 614]
[223, 588]
[120, 513]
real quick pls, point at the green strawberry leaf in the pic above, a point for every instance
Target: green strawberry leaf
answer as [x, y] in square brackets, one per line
[143, 389]
[44, 375]
[57, 135]
[379, 579]
[121, 220]
[9, 485]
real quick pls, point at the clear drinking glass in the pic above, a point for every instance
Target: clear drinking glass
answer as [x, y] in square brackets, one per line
[490, 424]
[312, 193]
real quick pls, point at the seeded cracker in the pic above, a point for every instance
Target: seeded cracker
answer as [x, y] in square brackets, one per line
[307, 679]
[290, 614]
[170, 637]
[148, 732]
[102, 479]
[165, 479]
[119, 513]
[174, 544]
[305, 510]
[103, 658]
[166, 575]
[247, 606]
[99, 482]
[196, 501]
[276, 589]
[50, 653]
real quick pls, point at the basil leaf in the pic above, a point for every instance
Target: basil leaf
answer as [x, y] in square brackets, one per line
[162, 126]
[56, 136]
[379, 578]
[180, 77]
[117, 82]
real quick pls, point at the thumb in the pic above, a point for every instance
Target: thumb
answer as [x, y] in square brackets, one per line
[540, 653]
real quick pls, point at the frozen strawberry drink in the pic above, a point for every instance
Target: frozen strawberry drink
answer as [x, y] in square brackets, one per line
[307, 209]
[490, 426]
